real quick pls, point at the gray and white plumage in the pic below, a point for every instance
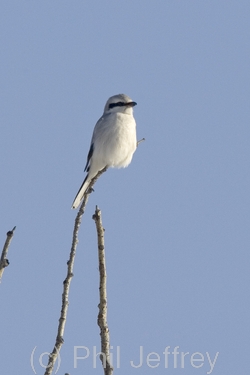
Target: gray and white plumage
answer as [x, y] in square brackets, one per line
[113, 142]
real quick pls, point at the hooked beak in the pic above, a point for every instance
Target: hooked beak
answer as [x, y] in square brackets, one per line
[131, 104]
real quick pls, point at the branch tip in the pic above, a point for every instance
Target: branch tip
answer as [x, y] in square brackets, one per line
[3, 258]
[141, 140]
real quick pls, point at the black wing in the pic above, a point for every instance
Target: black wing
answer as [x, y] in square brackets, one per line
[91, 150]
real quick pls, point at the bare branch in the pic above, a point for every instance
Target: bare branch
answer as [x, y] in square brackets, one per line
[141, 140]
[66, 284]
[102, 316]
[4, 261]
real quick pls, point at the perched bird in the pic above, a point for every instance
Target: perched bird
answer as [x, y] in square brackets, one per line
[113, 142]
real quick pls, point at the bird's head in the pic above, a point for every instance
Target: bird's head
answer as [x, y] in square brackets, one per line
[119, 103]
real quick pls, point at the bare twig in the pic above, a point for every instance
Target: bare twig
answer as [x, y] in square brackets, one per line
[4, 261]
[141, 140]
[102, 316]
[66, 284]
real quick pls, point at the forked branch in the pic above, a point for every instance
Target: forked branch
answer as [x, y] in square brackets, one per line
[66, 284]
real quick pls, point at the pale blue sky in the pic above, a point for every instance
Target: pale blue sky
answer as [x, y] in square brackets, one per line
[176, 220]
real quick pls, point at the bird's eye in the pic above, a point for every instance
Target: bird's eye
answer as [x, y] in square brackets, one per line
[118, 104]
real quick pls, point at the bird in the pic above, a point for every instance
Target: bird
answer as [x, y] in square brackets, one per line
[113, 141]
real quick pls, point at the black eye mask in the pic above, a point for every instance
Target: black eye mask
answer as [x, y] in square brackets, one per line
[118, 104]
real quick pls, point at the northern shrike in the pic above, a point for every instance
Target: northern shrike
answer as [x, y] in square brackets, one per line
[113, 141]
